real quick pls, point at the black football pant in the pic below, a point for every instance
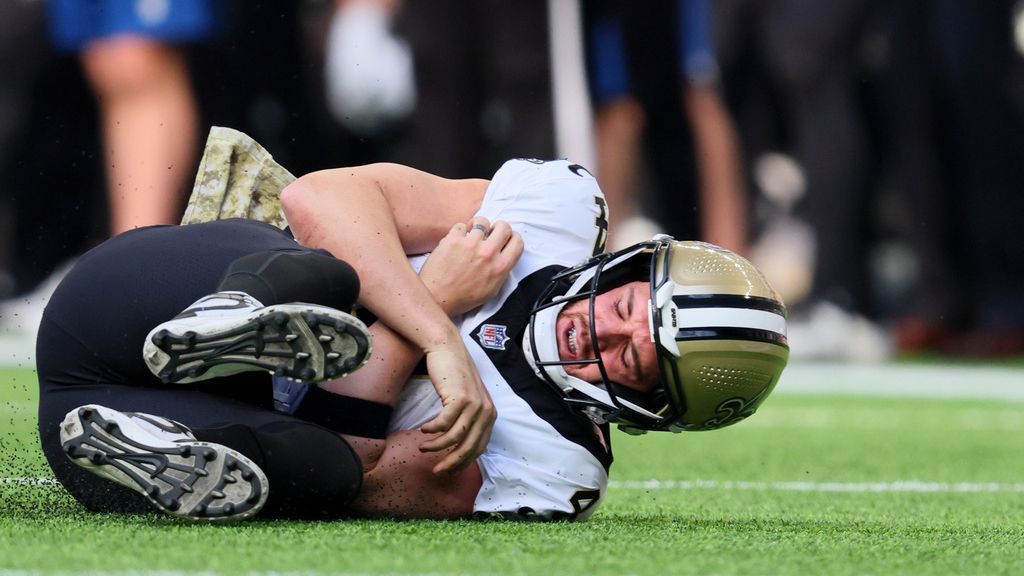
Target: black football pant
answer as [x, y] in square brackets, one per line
[89, 351]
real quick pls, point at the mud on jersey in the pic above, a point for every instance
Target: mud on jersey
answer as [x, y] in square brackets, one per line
[544, 460]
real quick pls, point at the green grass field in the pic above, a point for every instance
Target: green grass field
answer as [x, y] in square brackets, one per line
[810, 485]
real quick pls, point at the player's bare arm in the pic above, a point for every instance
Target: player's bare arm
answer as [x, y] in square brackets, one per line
[465, 270]
[373, 217]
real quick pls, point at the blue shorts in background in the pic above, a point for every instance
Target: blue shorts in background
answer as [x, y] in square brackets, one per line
[608, 72]
[75, 23]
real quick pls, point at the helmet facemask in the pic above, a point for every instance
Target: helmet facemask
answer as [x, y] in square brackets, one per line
[605, 401]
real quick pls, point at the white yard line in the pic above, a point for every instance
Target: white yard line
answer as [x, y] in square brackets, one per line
[914, 486]
[919, 486]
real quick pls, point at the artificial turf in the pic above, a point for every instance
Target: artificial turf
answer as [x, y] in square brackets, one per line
[809, 485]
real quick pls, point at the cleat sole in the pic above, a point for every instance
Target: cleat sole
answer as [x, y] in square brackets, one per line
[193, 481]
[299, 341]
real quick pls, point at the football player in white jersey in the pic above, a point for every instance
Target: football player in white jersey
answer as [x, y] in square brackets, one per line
[533, 341]
[665, 335]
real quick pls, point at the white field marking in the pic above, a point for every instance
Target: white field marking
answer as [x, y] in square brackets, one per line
[903, 380]
[742, 485]
[916, 486]
[29, 481]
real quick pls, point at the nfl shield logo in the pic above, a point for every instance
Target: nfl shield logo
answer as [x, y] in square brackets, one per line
[492, 336]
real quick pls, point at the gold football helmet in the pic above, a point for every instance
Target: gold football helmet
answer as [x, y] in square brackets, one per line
[718, 327]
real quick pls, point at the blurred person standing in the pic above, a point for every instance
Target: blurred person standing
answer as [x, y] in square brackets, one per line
[791, 68]
[149, 116]
[23, 58]
[957, 93]
[654, 85]
[483, 83]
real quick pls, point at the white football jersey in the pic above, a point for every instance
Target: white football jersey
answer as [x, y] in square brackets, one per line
[544, 460]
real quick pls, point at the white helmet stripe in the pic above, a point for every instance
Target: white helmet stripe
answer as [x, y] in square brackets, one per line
[730, 318]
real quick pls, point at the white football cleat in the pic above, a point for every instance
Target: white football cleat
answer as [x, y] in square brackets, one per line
[230, 332]
[163, 461]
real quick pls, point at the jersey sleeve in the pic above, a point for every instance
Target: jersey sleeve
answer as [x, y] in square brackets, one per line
[556, 206]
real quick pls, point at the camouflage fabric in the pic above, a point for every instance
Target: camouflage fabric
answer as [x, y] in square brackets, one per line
[237, 178]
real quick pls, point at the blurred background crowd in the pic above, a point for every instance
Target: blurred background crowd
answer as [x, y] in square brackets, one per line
[867, 154]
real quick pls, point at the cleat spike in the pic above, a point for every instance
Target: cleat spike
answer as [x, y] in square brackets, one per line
[185, 451]
[217, 495]
[85, 412]
[325, 338]
[247, 475]
[291, 337]
[333, 355]
[96, 458]
[71, 450]
[200, 472]
[331, 371]
[187, 489]
[307, 374]
[229, 508]
[301, 355]
[210, 455]
[230, 479]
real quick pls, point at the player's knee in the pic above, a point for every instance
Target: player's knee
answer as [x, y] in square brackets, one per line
[126, 66]
[275, 277]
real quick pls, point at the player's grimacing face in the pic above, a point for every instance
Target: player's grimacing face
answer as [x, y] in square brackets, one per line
[623, 337]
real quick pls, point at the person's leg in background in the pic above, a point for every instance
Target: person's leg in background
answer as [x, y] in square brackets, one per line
[811, 49]
[977, 59]
[445, 128]
[723, 198]
[149, 116]
[23, 57]
[651, 34]
[619, 121]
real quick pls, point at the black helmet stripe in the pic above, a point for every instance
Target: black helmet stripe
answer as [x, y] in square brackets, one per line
[728, 301]
[732, 333]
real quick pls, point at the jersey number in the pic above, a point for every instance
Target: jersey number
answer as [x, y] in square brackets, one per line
[584, 499]
[601, 223]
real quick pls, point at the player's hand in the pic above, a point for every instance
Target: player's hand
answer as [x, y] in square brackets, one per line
[467, 413]
[469, 265]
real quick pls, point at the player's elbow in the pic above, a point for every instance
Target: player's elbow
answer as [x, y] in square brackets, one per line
[298, 202]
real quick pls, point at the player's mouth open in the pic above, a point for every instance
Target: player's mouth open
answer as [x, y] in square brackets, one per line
[570, 341]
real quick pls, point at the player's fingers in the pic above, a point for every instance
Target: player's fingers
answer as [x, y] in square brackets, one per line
[500, 234]
[512, 250]
[467, 451]
[453, 435]
[442, 422]
[479, 226]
